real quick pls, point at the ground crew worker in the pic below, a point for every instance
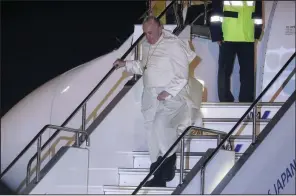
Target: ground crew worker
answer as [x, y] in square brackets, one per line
[166, 100]
[236, 25]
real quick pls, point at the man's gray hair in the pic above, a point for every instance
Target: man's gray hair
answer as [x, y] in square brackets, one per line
[153, 18]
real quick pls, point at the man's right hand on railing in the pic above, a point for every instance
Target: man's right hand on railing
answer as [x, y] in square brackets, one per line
[119, 63]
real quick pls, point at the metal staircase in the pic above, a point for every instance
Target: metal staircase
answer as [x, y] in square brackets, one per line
[194, 147]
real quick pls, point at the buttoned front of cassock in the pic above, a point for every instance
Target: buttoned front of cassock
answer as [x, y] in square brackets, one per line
[165, 67]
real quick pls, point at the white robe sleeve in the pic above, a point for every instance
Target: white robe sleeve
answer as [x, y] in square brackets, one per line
[134, 66]
[180, 57]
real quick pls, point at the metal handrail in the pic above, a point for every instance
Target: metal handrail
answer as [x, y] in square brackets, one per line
[228, 135]
[38, 137]
[219, 133]
[39, 149]
[81, 105]
[211, 131]
[181, 137]
[200, 15]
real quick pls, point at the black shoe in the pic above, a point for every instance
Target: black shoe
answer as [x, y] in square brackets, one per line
[168, 168]
[156, 181]
[153, 165]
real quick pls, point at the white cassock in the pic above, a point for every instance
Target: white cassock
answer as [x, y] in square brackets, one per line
[166, 68]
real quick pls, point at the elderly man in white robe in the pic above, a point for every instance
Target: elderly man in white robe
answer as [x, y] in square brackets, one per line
[167, 104]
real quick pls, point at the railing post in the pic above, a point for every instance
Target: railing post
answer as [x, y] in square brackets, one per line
[228, 146]
[182, 161]
[136, 58]
[255, 106]
[202, 180]
[254, 124]
[205, 17]
[77, 139]
[218, 139]
[28, 176]
[83, 120]
[38, 159]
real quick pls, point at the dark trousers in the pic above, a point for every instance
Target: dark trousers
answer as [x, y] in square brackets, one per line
[245, 54]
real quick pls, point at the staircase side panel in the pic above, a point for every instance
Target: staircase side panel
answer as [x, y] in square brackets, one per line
[269, 166]
[68, 176]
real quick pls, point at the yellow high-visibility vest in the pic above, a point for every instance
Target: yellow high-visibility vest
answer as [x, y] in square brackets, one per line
[238, 21]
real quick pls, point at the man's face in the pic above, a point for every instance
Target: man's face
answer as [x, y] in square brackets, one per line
[152, 31]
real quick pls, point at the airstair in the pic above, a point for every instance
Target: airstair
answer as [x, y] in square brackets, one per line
[206, 157]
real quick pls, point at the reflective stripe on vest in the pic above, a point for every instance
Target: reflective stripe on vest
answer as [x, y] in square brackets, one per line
[250, 3]
[216, 18]
[258, 21]
[238, 3]
[233, 3]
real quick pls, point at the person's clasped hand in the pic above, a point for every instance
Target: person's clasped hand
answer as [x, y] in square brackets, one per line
[119, 63]
[163, 96]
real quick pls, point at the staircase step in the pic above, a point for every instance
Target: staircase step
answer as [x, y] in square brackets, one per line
[95, 190]
[203, 143]
[142, 159]
[134, 176]
[236, 110]
[225, 125]
[143, 190]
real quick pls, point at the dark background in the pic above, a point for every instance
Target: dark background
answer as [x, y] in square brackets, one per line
[42, 39]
